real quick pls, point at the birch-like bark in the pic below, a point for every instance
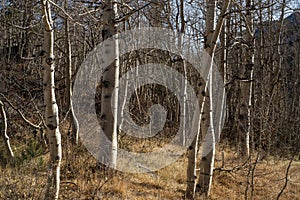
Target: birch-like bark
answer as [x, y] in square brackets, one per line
[192, 151]
[212, 33]
[246, 83]
[184, 84]
[68, 74]
[207, 157]
[4, 134]
[110, 82]
[203, 119]
[51, 109]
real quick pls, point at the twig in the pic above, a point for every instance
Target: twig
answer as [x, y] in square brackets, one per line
[235, 168]
[89, 12]
[253, 173]
[69, 182]
[125, 5]
[126, 16]
[63, 10]
[286, 178]
[100, 186]
[20, 113]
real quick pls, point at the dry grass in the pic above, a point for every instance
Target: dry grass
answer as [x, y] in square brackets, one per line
[268, 179]
[82, 180]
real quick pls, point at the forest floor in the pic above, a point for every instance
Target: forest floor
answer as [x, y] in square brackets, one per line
[26, 177]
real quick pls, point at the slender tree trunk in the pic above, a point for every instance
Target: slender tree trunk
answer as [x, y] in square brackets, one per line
[4, 125]
[184, 84]
[110, 82]
[68, 74]
[51, 109]
[207, 127]
[203, 119]
[193, 149]
[207, 159]
[246, 83]
[191, 169]
[223, 71]
[223, 56]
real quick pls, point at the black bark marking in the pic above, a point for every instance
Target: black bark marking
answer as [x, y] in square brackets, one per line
[241, 117]
[103, 117]
[51, 127]
[104, 33]
[105, 83]
[49, 60]
[42, 53]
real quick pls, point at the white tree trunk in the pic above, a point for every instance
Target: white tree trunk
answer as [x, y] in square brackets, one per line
[68, 74]
[51, 109]
[185, 81]
[110, 82]
[4, 125]
[246, 84]
[207, 159]
[203, 119]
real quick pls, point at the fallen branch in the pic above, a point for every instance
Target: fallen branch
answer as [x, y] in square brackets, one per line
[235, 168]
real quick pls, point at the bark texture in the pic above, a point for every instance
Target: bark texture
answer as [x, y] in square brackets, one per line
[212, 34]
[68, 73]
[110, 82]
[51, 108]
[246, 74]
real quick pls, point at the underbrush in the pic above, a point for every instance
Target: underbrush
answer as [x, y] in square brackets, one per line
[81, 178]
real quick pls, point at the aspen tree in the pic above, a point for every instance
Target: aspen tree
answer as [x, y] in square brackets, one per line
[246, 74]
[206, 117]
[110, 82]
[68, 74]
[51, 108]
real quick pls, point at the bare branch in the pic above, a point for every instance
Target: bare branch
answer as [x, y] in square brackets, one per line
[125, 5]
[89, 12]
[5, 136]
[248, 28]
[126, 16]
[286, 178]
[61, 9]
[20, 113]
